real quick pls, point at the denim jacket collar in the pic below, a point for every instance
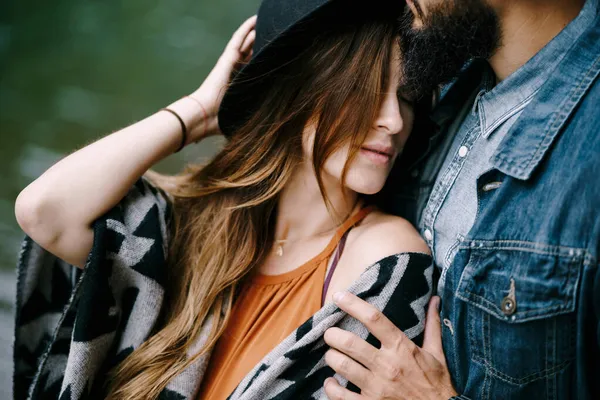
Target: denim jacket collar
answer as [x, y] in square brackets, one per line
[533, 134]
[526, 144]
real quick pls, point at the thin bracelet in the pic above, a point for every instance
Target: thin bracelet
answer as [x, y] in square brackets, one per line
[204, 113]
[183, 128]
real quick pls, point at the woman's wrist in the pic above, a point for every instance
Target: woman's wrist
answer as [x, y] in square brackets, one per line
[210, 106]
[196, 118]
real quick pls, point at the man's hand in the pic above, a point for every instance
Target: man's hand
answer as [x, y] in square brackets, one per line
[399, 369]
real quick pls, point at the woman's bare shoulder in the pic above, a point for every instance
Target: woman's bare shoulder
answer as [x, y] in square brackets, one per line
[378, 236]
[381, 235]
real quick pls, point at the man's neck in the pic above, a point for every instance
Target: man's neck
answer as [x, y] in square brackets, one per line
[527, 26]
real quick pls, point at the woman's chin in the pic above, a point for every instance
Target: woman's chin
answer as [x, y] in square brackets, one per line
[367, 187]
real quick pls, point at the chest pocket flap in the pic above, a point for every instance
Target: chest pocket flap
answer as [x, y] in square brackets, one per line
[520, 281]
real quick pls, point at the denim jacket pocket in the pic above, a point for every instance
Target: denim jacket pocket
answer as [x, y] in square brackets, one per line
[521, 298]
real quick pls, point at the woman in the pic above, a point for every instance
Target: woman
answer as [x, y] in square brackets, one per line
[259, 239]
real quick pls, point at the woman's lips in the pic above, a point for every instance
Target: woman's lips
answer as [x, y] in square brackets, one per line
[376, 157]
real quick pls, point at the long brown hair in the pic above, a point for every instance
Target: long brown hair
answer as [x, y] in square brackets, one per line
[224, 212]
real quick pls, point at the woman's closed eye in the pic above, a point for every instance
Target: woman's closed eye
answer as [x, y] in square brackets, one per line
[406, 97]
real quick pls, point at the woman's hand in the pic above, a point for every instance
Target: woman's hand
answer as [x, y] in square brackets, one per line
[237, 52]
[58, 209]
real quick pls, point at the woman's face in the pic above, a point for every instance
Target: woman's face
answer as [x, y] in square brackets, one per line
[389, 132]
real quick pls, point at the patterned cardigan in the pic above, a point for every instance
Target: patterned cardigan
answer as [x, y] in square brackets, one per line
[73, 325]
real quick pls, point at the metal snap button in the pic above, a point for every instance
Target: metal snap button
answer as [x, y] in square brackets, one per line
[509, 305]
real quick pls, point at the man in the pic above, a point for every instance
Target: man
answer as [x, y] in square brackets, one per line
[508, 200]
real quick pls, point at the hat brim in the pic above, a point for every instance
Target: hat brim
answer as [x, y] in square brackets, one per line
[243, 95]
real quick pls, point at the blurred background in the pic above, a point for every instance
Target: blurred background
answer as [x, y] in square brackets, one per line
[73, 71]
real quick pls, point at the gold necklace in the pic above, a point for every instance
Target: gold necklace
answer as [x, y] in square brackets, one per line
[279, 247]
[280, 242]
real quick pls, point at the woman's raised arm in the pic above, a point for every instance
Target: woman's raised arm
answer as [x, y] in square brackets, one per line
[58, 209]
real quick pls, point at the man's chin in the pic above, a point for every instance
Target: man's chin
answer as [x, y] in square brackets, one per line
[436, 46]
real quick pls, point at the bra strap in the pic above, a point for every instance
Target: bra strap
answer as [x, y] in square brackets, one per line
[341, 243]
[334, 263]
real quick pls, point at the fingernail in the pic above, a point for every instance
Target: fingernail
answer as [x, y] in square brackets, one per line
[338, 296]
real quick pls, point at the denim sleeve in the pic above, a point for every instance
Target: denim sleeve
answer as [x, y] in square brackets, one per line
[459, 397]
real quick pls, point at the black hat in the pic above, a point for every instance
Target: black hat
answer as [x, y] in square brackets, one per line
[283, 27]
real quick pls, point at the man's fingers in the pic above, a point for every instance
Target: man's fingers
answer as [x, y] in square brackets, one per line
[351, 345]
[432, 340]
[377, 323]
[348, 368]
[335, 391]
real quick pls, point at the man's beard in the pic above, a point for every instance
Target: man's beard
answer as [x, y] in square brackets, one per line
[452, 33]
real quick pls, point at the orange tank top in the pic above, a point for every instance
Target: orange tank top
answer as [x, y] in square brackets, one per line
[267, 310]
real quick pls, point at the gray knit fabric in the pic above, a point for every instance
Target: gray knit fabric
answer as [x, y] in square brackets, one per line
[72, 326]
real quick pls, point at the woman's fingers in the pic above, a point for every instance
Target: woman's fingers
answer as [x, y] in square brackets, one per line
[237, 51]
[246, 48]
[239, 37]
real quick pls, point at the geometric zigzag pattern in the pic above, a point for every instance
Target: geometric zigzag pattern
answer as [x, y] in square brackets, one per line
[399, 285]
[72, 326]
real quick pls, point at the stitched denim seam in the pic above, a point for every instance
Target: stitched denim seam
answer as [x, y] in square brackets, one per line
[527, 250]
[504, 117]
[565, 109]
[452, 248]
[472, 331]
[535, 244]
[486, 354]
[518, 245]
[590, 260]
[554, 122]
[441, 190]
[487, 382]
[455, 359]
[526, 379]
[493, 307]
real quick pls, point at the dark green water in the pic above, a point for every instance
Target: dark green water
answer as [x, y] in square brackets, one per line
[73, 71]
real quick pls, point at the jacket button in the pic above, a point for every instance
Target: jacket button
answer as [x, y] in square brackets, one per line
[428, 235]
[509, 305]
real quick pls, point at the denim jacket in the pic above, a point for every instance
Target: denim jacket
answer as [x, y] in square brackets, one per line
[521, 300]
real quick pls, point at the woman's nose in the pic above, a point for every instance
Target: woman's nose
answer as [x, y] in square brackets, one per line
[390, 118]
